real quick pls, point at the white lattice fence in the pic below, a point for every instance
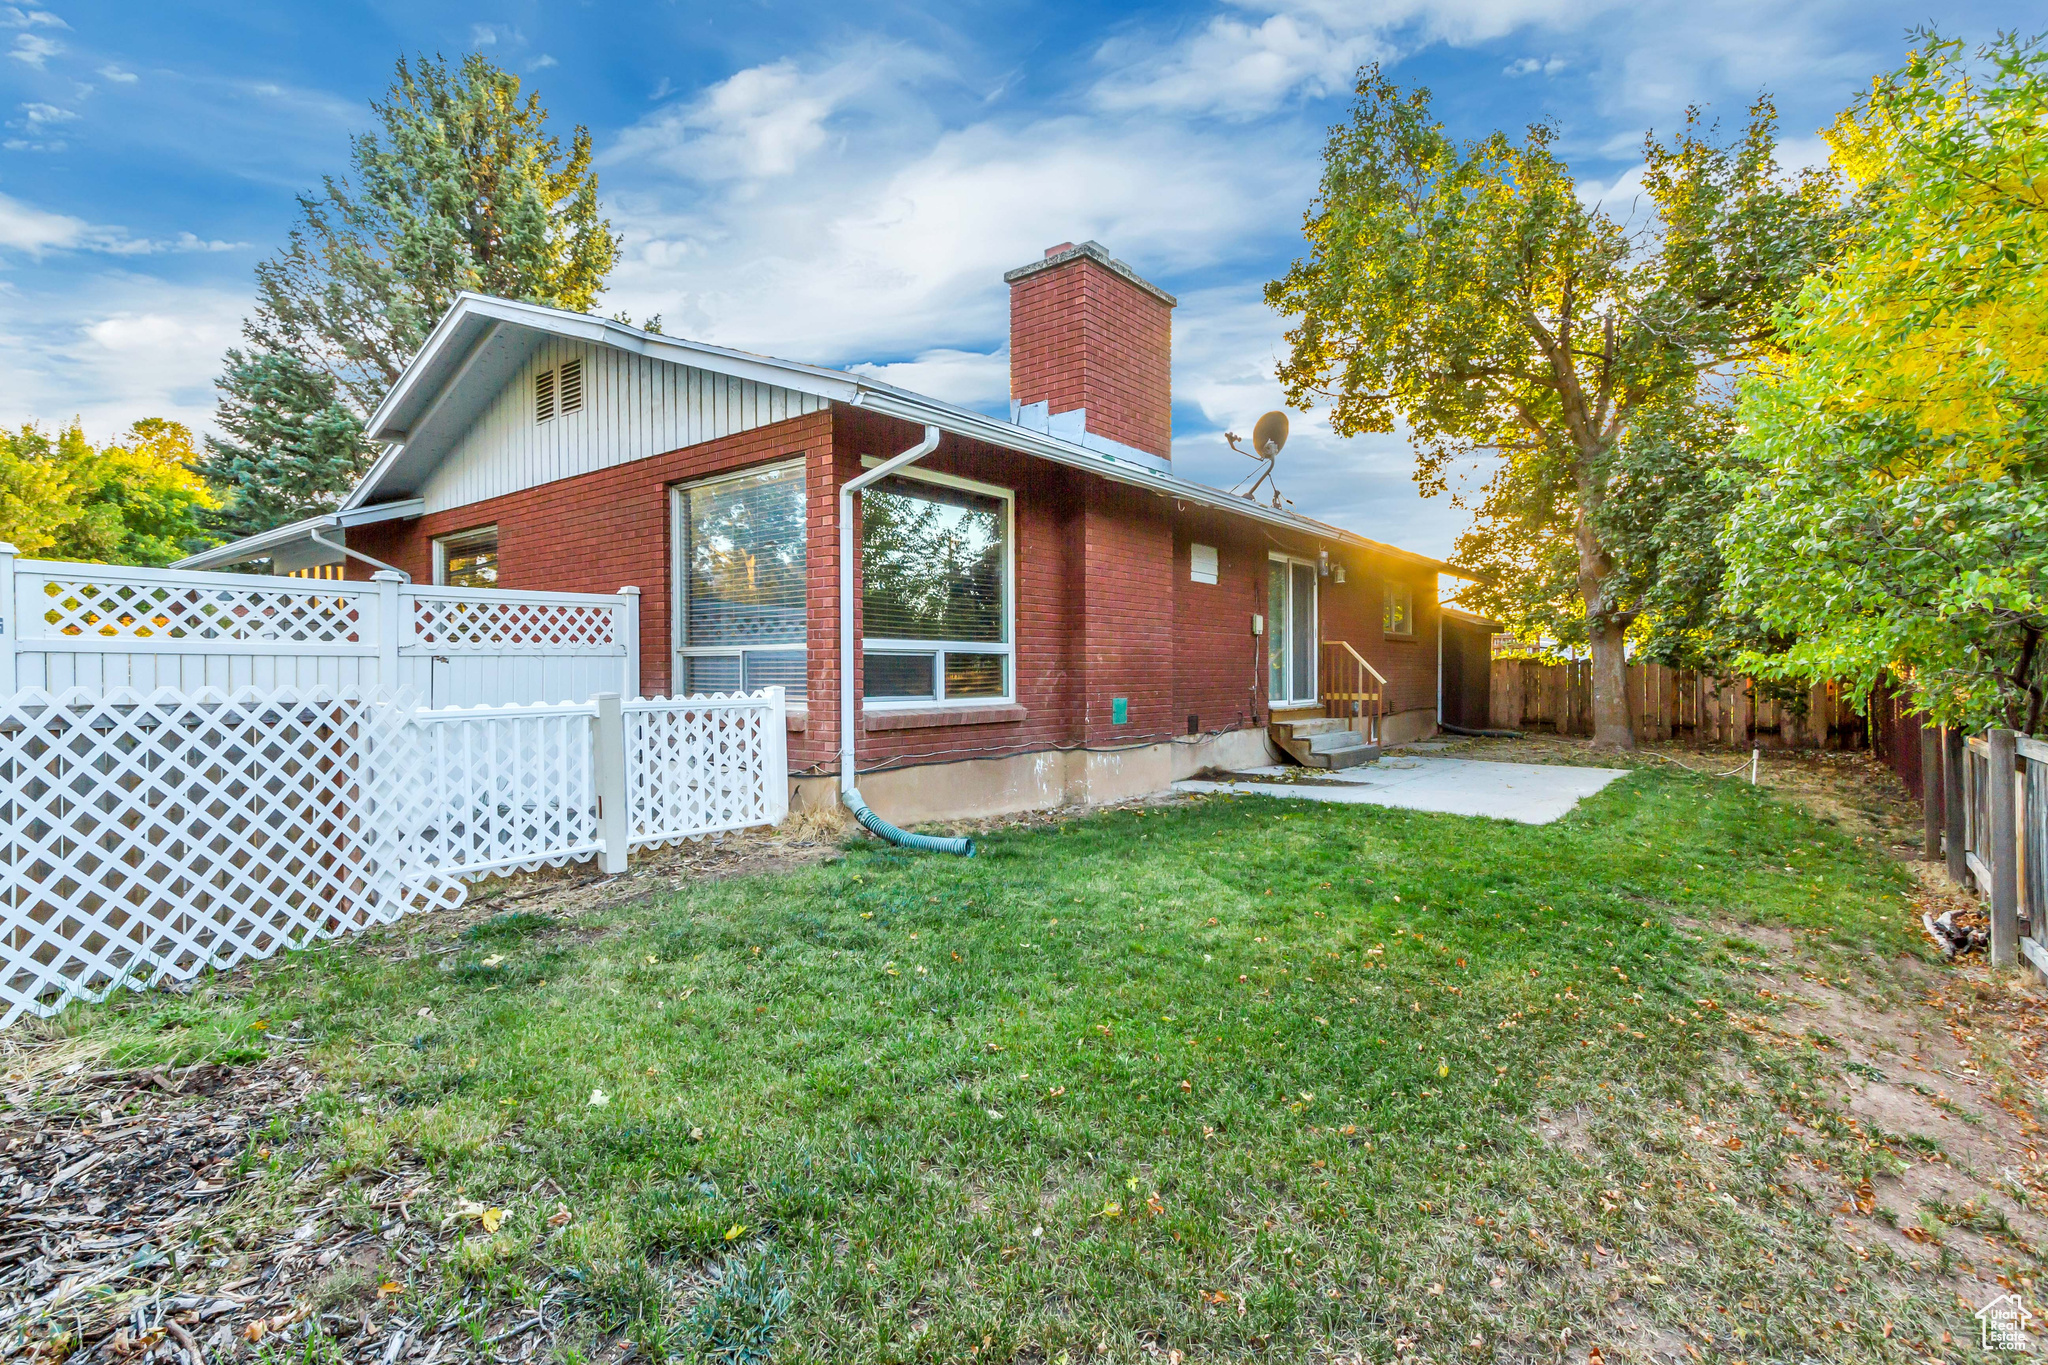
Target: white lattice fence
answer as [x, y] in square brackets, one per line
[146, 837]
[472, 790]
[156, 836]
[699, 764]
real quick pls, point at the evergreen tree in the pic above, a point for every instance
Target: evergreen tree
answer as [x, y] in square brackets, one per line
[462, 187]
[292, 447]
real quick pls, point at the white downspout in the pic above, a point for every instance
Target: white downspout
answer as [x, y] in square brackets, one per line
[848, 659]
[378, 564]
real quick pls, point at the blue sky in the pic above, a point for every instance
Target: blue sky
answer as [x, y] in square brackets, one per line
[844, 184]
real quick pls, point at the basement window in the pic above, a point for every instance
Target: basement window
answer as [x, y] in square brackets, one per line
[740, 611]
[1398, 615]
[468, 559]
[936, 579]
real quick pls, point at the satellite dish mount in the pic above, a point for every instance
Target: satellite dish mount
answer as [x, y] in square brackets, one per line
[1268, 435]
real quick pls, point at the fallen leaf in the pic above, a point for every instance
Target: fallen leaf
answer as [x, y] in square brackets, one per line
[735, 1232]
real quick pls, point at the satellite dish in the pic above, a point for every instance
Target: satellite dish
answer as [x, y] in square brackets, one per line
[1270, 434]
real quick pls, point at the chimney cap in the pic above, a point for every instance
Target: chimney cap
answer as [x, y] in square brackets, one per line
[1055, 257]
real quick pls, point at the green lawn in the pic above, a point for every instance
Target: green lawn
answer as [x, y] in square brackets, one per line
[1232, 1077]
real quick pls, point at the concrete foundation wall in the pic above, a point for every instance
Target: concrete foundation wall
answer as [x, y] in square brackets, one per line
[1405, 727]
[1044, 780]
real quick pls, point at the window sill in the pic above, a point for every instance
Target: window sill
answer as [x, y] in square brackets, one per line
[931, 717]
[799, 720]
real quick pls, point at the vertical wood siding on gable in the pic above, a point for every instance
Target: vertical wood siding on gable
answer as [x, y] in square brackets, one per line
[633, 407]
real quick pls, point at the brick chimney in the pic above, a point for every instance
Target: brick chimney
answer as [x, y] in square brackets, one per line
[1093, 343]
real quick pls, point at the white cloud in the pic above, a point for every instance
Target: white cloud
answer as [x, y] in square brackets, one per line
[26, 228]
[1237, 67]
[758, 123]
[1535, 66]
[542, 62]
[115, 74]
[489, 35]
[111, 347]
[38, 117]
[37, 232]
[13, 16]
[975, 379]
[34, 49]
[1250, 59]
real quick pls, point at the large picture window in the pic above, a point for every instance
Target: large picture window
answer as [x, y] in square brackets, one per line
[739, 544]
[935, 602]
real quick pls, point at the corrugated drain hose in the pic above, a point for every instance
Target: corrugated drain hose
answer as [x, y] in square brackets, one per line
[882, 829]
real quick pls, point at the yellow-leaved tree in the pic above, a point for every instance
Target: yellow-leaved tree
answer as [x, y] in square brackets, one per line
[1899, 519]
[135, 500]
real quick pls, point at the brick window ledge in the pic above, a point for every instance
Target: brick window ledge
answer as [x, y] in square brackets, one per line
[929, 718]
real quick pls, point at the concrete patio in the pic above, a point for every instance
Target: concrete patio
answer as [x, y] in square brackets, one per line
[1532, 793]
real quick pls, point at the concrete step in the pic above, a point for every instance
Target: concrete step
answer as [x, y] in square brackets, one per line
[1345, 756]
[1313, 725]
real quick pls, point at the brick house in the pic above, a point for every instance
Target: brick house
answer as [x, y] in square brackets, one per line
[1045, 613]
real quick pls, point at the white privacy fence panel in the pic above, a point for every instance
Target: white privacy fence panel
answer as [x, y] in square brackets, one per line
[106, 627]
[150, 837]
[698, 764]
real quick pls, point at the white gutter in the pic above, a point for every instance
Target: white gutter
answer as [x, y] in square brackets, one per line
[848, 661]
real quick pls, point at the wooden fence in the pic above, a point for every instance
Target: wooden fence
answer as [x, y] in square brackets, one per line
[1673, 704]
[1995, 795]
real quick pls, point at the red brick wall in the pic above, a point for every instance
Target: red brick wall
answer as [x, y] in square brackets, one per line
[1127, 614]
[1083, 336]
[1219, 666]
[1105, 606]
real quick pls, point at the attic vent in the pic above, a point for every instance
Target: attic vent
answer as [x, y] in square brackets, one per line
[543, 395]
[569, 388]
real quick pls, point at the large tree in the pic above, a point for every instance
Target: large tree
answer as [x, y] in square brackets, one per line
[1899, 518]
[462, 187]
[1467, 291]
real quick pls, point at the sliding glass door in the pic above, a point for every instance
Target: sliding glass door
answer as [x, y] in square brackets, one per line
[1291, 644]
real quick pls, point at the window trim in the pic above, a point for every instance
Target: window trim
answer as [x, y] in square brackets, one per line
[940, 648]
[1388, 585]
[452, 540]
[679, 578]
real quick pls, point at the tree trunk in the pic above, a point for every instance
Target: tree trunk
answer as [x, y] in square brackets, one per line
[1605, 629]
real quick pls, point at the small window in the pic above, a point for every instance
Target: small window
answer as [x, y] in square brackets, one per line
[544, 395]
[1202, 563]
[468, 559]
[935, 608]
[1399, 616]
